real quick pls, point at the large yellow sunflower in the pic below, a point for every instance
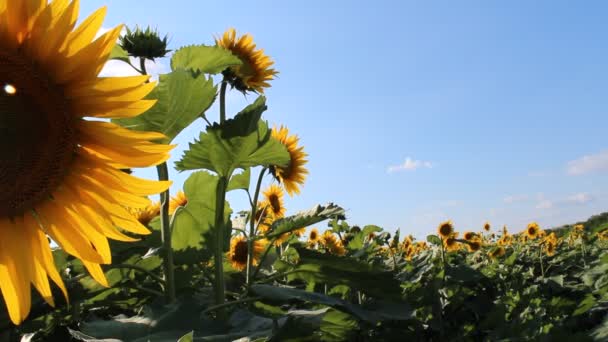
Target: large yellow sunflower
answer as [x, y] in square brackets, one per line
[273, 196]
[179, 200]
[255, 72]
[237, 255]
[59, 172]
[532, 230]
[332, 243]
[294, 174]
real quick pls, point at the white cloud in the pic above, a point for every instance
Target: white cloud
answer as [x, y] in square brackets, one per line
[590, 163]
[410, 165]
[544, 204]
[580, 198]
[515, 198]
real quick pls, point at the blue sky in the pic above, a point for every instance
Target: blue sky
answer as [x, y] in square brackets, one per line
[417, 112]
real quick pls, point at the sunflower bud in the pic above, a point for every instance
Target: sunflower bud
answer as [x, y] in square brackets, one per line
[144, 44]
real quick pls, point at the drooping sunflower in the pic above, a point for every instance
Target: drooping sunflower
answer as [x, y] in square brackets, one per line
[445, 229]
[145, 215]
[59, 172]
[237, 255]
[256, 71]
[294, 174]
[179, 200]
[273, 196]
[532, 230]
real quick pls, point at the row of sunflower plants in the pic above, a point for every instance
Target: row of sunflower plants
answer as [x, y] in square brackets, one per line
[187, 268]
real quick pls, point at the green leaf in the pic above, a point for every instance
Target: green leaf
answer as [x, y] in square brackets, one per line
[203, 58]
[274, 294]
[434, 239]
[303, 219]
[337, 326]
[182, 98]
[242, 142]
[193, 231]
[322, 268]
[585, 305]
[240, 181]
[189, 337]
[120, 54]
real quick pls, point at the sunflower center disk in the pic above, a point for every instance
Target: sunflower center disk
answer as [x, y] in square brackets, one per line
[37, 135]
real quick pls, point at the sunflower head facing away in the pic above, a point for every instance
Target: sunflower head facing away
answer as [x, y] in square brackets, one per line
[445, 229]
[60, 173]
[237, 255]
[179, 200]
[145, 215]
[256, 71]
[273, 197]
[532, 230]
[294, 174]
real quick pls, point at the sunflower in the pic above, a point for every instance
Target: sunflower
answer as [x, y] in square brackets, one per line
[145, 215]
[532, 230]
[469, 235]
[445, 229]
[550, 248]
[313, 237]
[474, 245]
[450, 242]
[486, 226]
[497, 253]
[332, 243]
[273, 196]
[255, 72]
[294, 174]
[179, 200]
[237, 255]
[299, 232]
[59, 172]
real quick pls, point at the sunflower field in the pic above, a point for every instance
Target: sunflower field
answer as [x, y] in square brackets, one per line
[129, 261]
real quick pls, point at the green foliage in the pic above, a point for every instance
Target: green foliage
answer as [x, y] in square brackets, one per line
[304, 219]
[182, 98]
[205, 59]
[193, 226]
[241, 142]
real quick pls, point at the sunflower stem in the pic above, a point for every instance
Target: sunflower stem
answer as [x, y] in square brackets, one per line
[540, 258]
[165, 224]
[142, 66]
[223, 101]
[254, 206]
[220, 295]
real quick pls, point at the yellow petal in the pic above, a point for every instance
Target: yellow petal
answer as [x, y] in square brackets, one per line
[14, 282]
[58, 222]
[42, 251]
[96, 272]
[85, 32]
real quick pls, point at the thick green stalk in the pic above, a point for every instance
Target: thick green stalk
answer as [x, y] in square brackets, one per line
[165, 230]
[254, 207]
[219, 289]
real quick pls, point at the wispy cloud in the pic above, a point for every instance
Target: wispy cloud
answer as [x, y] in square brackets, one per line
[410, 165]
[581, 198]
[590, 163]
[515, 198]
